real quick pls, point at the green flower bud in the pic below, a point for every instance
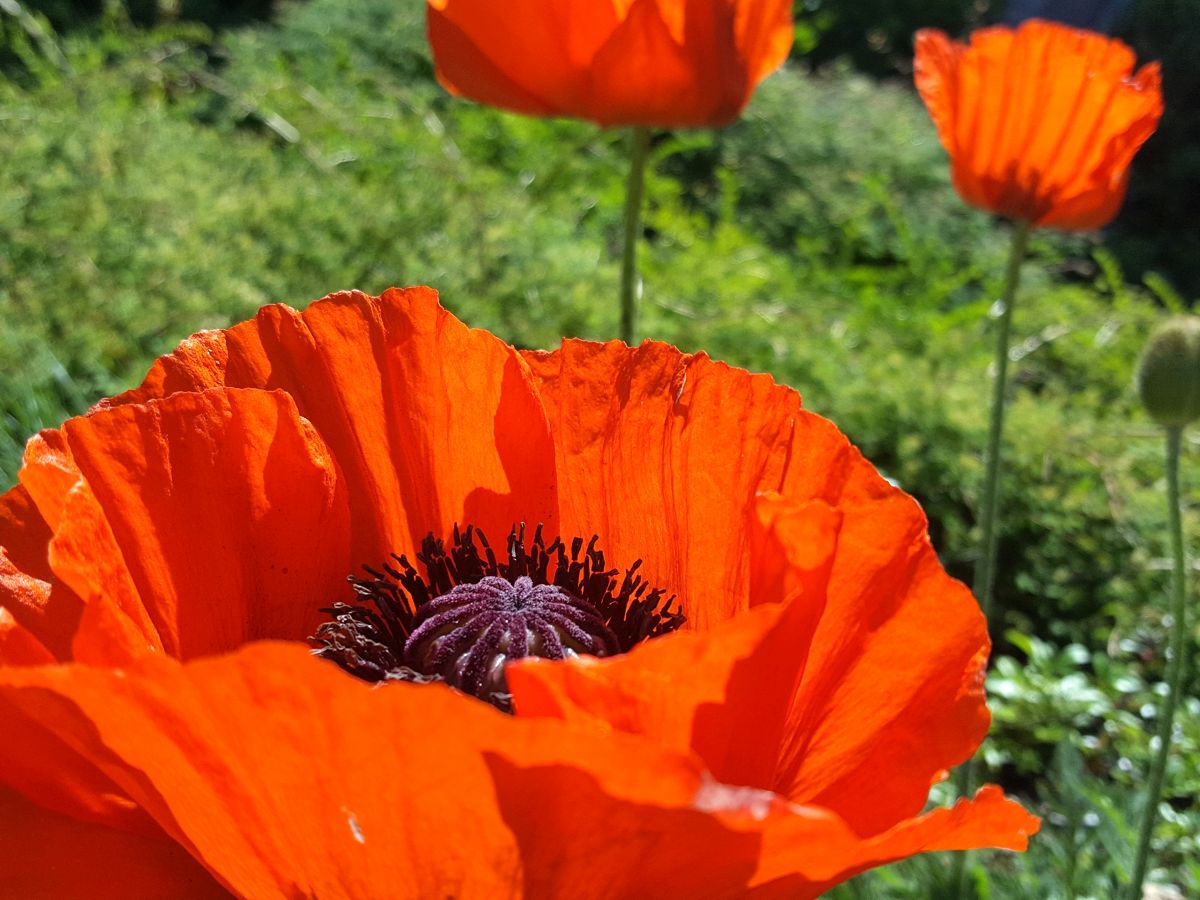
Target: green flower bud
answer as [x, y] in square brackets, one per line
[1168, 374]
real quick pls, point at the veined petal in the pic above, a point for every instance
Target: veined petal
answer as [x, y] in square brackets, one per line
[682, 63]
[662, 454]
[893, 690]
[731, 709]
[1041, 122]
[528, 55]
[254, 763]
[196, 523]
[430, 422]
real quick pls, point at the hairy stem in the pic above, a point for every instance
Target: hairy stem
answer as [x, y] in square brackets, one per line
[1175, 666]
[985, 571]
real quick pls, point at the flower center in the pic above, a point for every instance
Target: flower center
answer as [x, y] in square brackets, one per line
[467, 635]
[468, 615]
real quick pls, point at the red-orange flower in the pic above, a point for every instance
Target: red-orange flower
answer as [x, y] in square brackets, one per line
[670, 63]
[165, 557]
[1041, 123]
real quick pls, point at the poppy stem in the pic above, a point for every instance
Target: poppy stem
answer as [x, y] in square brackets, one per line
[985, 571]
[640, 151]
[1175, 666]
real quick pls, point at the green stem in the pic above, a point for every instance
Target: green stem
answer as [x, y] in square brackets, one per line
[640, 150]
[1175, 666]
[985, 571]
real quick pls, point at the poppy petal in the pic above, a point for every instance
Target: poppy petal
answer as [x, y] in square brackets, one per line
[661, 455]
[198, 522]
[41, 611]
[765, 32]
[793, 546]
[45, 854]
[888, 582]
[528, 56]
[731, 709]
[892, 693]
[255, 762]
[24, 534]
[644, 74]
[1041, 122]
[987, 821]
[400, 391]
[669, 63]
[18, 645]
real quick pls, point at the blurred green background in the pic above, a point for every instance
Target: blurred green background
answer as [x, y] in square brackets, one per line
[171, 166]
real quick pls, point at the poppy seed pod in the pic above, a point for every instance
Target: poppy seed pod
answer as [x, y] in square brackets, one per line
[1168, 374]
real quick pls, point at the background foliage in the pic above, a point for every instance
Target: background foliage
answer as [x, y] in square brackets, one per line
[161, 176]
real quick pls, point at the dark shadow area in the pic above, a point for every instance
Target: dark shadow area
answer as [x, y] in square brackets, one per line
[67, 14]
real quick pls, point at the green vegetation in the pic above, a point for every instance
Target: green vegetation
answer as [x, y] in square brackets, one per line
[156, 182]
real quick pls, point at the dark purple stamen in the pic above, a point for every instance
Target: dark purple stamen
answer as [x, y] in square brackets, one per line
[469, 614]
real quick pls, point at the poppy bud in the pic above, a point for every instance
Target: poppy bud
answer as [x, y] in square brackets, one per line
[1168, 374]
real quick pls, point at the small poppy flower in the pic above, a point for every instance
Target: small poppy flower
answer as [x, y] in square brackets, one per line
[725, 662]
[668, 63]
[1041, 122]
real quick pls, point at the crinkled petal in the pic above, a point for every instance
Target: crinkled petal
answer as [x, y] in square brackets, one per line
[430, 422]
[24, 534]
[285, 777]
[893, 690]
[47, 612]
[195, 523]
[662, 455]
[880, 682]
[731, 709]
[1041, 122]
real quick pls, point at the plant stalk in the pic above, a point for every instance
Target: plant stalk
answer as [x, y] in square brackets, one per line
[639, 140]
[1175, 667]
[985, 571]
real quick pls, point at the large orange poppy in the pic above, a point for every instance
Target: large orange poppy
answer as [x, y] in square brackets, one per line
[165, 558]
[669, 63]
[1042, 122]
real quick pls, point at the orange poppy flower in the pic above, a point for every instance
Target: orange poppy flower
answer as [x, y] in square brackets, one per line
[669, 63]
[1041, 123]
[165, 559]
